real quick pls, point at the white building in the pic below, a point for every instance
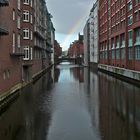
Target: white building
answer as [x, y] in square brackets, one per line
[91, 38]
[94, 35]
[86, 44]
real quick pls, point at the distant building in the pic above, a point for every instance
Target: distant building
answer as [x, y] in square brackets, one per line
[76, 49]
[87, 43]
[94, 36]
[57, 51]
[91, 38]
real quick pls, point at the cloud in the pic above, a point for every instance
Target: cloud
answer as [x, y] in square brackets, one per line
[66, 13]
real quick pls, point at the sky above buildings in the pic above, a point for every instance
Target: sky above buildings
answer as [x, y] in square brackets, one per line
[69, 18]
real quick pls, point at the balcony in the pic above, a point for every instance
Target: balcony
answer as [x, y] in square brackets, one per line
[39, 44]
[3, 31]
[48, 43]
[49, 50]
[19, 52]
[4, 3]
[38, 33]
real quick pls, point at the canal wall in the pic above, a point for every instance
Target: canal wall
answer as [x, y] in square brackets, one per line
[121, 73]
[8, 96]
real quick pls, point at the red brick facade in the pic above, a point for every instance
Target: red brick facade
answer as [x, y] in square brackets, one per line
[76, 48]
[57, 51]
[23, 48]
[119, 33]
[10, 66]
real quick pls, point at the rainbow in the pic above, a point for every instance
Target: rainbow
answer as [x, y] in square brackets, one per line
[74, 29]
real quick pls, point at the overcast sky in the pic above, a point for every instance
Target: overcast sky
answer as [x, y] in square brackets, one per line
[69, 18]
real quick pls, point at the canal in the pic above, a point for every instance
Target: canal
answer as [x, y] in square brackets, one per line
[73, 103]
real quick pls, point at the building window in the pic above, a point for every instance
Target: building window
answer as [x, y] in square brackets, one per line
[137, 2]
[137, 52]
[130, 38]
[18, 41]
[130, 20]
[18, 22]
[19, 4]
[14, 42]
[26, 53]
[106, 54]
[31, 35]
[129, 6]
[31, 3]
[122, 53]
[117, 53]
[4, 75]
[31, 53]
[130, 53]
[31, 18]
[137, 36]
[122, 43]
[117, 42]
[137, 16]
[14, 14]
[26, 2]
[25, 33]
[26, 16]
[113, 54]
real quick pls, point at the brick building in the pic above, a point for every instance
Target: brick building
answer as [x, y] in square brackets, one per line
[76, 49]
[25, 41]
[119, 33]
[10, 49]
[57, 51]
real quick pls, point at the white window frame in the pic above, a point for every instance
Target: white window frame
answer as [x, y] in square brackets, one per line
[14, 14]
[19, 22]
[14, 42]
[31, 33]
[26, 2]
[26, 16]
[31, 53]
[31, 18]
[19, 41]
[31, 2]
[19, 4]
[26, 53]
[26, 33]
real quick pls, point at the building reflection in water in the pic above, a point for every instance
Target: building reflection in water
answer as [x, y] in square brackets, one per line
[112, 106]
[78, 73]
[91, 88]
[119, 109]
[26, 119]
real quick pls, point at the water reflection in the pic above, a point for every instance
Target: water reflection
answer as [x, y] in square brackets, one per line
[119, 109]
[73, 103]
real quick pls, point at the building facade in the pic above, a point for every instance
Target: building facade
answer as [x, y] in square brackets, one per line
[91, 38]
[76, 50]
[57, 51]
[119, 33]
[26, 38]
[11, 52]
[87, 44]
[93, 18]
[25, 41]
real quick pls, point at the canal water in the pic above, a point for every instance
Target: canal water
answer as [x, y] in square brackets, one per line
[73, 103]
